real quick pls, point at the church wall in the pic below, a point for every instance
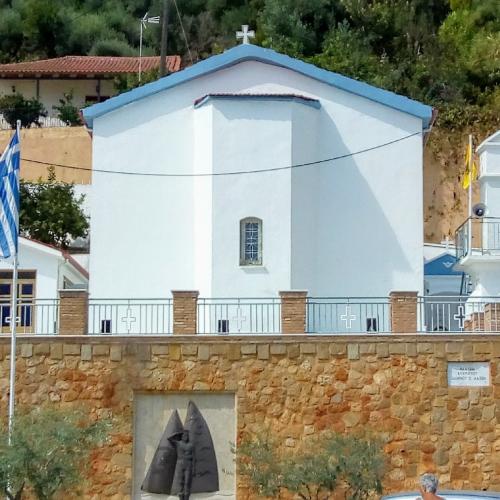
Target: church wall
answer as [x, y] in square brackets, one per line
[304, 201]
[148, 222]
[368, 206]
[203, 212]
[392, 386]
[249, 135]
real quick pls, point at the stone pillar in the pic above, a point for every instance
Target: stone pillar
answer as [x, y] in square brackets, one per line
[476, 322]
[185, 311]
[491, 317]
[73, 312]
[403, 312]
[293, 311]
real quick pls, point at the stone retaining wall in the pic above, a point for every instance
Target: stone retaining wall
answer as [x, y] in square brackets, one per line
[294, 385]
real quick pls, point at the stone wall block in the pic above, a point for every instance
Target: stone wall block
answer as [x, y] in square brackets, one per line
[71, 349]
[86, 352]
[43, 349]
[56, 351]
[115, 353]
[26, 350]
[203, 352]
[403, 306]
[185, 312]
[159, 350]
[263, 351]
[73, 312]
[352, 351]
[293, 311]
[247, 349]
[278, 349]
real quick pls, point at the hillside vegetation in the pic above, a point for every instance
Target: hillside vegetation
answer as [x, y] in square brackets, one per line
[445, 53]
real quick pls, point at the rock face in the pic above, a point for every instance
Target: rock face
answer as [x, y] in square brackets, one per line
[394, 385]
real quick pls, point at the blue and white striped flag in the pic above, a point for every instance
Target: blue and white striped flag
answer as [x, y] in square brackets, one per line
[9, 198]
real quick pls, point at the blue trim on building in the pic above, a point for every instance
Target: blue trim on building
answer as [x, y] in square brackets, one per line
[441, 266]
[314, 103]
[248, 52]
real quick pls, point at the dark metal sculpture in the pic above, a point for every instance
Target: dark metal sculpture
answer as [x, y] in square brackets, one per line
[185, 460]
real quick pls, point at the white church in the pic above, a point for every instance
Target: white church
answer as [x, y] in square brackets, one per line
[251, 172]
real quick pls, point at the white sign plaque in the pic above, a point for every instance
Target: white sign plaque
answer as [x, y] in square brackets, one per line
[469, 374]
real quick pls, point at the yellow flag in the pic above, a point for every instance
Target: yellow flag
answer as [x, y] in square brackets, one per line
[468, 176]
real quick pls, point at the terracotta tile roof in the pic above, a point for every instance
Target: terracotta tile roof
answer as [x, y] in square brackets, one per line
[85, 65]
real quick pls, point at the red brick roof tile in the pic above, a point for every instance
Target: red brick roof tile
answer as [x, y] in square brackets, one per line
[86, 65]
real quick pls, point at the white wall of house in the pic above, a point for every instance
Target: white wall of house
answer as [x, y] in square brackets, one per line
[50, 91]
[351, 227]
[50, 266]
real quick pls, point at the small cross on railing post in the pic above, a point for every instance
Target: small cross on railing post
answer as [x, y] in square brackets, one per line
[348, 317]
[460, 317]
[239, 319]
[8, 318]
[245, 34]
[129, 319]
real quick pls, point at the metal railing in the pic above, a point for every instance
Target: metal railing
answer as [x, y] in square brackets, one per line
[239, 315]
[130, 316]
[45, 122]
[39, 316]
[457, 314]
[484, 238]
[348, 315]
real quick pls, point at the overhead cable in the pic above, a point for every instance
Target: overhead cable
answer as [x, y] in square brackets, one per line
[221, 174]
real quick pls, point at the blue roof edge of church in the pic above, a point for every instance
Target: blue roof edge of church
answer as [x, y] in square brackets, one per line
[249, 52]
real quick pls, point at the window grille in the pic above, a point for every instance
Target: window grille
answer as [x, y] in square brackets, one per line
[251, 242]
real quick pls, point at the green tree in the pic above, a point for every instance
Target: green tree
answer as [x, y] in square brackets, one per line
[49, 451]
[15, 107]
[51, 212]
[67, 111]
[322, 466]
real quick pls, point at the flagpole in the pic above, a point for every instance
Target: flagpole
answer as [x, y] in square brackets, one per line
[469, 166]
[13, 325]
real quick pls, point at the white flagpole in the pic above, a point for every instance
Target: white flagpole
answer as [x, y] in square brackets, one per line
[13, 325]
[469, 166]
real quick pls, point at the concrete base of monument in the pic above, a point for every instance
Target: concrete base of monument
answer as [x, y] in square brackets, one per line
[219, 495]
[152, 412]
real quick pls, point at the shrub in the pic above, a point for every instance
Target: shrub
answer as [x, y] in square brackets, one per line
[67, 111]
[322, 466]
[15, 107]
[49, 451]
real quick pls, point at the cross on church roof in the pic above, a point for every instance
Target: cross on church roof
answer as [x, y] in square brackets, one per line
[245, 34]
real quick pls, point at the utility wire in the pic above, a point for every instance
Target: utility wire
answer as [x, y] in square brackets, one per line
[183, 32]
[221, 174]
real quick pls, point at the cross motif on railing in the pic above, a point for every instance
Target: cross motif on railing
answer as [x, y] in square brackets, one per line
[8, 318]
[239, 319]
[460, 317]
[348, 318]
[129, 319]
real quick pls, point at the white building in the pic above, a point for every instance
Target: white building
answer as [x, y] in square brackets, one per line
[217, 208]
[43, 270]
[480, 253]
[89, 78]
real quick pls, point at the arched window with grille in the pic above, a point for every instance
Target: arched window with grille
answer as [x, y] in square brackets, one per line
[251, 241]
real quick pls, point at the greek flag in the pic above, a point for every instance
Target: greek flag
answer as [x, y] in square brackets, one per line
[9, 198]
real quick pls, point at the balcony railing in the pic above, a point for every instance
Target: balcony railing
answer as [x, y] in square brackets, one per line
[457, 314]
[348, 315]
[482, 235]
[239, 315]
[38, 316]
[45, 122]
[130, 316]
